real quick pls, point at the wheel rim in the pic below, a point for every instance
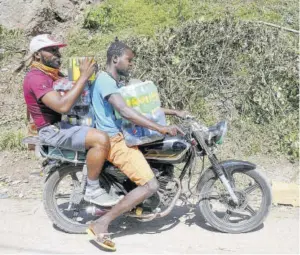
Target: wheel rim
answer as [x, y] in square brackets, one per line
[251, 201]
[67, 187]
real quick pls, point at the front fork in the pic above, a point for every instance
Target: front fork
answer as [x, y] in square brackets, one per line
[229, 188]
[221, 174]
[217, 167]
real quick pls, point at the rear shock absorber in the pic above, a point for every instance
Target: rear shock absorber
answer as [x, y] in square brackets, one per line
[84, 178]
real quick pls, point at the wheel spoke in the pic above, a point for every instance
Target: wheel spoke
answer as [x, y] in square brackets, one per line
[251, 188]
[226, 216]
[249, 209]
[210, 196]
[58, 196]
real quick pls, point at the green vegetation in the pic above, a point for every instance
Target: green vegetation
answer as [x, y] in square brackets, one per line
[128, 18]
[140, 16]
[145, 17]
[11, 43]
[12, 139]
[213, 58]
[226, 69]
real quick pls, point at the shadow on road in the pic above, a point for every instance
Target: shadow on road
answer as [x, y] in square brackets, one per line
[187, 214]
[184, 214]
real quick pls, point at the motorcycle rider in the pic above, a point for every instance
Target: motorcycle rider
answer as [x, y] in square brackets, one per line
[46, 105]
[105, 98]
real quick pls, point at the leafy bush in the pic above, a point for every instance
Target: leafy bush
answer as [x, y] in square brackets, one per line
[128, 18]
[232, 70]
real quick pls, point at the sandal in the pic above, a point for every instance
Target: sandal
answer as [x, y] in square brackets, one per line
[102, 239]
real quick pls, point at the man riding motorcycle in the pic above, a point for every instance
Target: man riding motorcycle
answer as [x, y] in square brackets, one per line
[46, 105]
[106, 99]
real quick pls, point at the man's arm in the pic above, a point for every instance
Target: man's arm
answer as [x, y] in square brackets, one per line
[62, 104]
[135, 117]
[180, 114]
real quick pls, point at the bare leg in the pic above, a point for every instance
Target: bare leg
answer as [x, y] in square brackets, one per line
[98, 145]
[132, 199]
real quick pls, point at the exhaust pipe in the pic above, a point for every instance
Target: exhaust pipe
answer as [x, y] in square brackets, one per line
[95, 211]
[149, 217]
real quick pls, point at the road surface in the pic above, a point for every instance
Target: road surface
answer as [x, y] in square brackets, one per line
[26, 229]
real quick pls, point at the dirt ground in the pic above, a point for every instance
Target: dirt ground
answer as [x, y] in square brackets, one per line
[25, 229]
[21, 176]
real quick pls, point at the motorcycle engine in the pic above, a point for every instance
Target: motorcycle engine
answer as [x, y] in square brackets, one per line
[163, 197]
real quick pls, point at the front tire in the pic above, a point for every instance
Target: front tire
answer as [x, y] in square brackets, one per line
[212, 192]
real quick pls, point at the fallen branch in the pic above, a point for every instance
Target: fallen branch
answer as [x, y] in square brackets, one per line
[277, 26]
[195, 78]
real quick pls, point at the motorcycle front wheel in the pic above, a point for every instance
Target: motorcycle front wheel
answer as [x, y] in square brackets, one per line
[254, 195]
[61, 188]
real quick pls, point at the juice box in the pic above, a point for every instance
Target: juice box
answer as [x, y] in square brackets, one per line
[73, 69]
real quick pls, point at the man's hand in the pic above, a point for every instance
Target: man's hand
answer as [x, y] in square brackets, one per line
[87, 67]
[171, 130]
[63, 104]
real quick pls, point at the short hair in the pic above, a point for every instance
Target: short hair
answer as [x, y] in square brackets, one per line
[116, 48]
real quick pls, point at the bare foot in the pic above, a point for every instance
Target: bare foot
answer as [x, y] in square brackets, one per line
[102, 238]
[98, 228]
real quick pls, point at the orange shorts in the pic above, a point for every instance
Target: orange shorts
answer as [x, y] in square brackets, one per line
[129, 160]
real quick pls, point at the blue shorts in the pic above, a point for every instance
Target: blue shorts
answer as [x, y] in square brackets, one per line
[64, 135]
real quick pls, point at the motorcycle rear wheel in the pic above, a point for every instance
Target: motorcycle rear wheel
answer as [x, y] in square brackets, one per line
[64, 216]
[252, 215]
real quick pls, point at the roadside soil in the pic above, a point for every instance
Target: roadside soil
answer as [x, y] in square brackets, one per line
[26, 229]
[21, 173]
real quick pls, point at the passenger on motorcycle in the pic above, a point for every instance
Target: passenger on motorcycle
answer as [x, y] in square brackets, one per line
[106, 99]
[46, 106]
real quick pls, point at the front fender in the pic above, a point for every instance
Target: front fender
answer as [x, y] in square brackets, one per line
[229, 166]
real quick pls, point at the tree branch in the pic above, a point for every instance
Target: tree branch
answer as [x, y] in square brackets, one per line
[277, 26]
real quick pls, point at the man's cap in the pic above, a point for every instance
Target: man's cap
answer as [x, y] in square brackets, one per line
[42, 41]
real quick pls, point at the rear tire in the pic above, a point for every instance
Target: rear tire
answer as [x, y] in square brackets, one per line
[234, 227]
[50, 205]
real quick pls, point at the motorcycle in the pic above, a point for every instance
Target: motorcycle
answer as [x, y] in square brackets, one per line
[232, 195]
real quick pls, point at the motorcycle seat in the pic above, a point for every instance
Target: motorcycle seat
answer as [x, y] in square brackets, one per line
[49, 151]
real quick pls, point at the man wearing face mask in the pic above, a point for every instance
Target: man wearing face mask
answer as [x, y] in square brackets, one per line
[46, 106]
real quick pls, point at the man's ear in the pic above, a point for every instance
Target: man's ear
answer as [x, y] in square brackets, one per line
[115, 59]
[37, 55]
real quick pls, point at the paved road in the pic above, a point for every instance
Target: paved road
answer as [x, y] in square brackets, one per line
[25, 229]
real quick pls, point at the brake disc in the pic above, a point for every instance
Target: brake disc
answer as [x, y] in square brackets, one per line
[242, 201]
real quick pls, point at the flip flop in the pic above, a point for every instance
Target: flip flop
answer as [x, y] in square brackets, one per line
[104, 241]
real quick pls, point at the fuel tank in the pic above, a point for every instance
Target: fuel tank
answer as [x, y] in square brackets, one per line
[171, 149]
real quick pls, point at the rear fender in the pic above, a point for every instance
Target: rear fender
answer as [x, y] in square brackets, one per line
[50, 168]
[229, 166]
